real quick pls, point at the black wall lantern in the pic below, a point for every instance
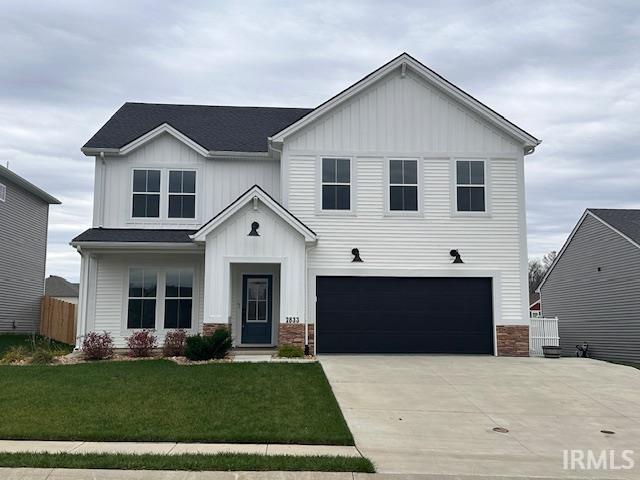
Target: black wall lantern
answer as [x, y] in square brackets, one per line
[356, 255]
[454, 253]
[254, 230]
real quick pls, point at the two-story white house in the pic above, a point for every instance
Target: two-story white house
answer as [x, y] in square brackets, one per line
[390, 219]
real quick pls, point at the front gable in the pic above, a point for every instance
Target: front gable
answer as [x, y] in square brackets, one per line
[405, 107]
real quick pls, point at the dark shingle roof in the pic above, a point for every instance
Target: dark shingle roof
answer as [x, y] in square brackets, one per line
[134, 235]
[623, 220]
[216, 128]
[55, 286]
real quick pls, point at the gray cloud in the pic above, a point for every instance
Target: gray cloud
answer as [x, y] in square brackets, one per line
[569, 72]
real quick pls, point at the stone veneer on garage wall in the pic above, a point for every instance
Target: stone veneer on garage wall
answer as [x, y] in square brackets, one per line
[513, 340]
[293, 334]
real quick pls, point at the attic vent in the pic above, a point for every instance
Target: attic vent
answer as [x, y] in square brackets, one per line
[3, 193]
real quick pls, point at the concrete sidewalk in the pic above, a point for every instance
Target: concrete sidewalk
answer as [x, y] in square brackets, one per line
[71, 474]
[169, 448]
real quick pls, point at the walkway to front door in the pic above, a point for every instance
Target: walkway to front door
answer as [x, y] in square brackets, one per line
[257, 297]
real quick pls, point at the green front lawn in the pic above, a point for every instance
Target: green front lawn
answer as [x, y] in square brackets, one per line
[29, 341]
[158, 400]
[224, 461]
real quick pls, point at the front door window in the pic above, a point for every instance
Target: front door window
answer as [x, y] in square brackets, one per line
[257, 299]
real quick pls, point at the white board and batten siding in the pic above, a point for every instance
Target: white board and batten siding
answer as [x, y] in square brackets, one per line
[219, 181]
[407, 118]
[278, 243]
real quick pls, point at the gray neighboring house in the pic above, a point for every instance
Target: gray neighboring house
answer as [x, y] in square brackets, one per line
[24, 218]
[593, 287]
[61, 289]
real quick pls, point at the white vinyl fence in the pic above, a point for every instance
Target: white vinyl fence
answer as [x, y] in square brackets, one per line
[542, 331]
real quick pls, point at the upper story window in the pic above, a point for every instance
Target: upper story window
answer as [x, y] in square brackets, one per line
[3, 193]
[403, 185]
[182, 194]
[470, 186]
[146, 194]
[141, 311]
[336, 184]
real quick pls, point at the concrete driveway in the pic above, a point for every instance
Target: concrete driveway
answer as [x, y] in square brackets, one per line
[436, 414]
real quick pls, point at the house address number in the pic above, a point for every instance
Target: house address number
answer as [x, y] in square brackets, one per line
[292, 319]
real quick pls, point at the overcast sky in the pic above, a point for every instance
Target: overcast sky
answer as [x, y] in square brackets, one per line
[568, 72]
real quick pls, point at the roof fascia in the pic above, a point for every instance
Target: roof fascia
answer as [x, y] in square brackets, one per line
[28, 186]
[400, 62]
[136, 245]
[239, 203]
[573, 232]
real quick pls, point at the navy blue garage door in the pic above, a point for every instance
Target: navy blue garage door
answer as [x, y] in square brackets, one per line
[404, 315]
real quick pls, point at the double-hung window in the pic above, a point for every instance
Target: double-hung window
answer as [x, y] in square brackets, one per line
[336, 184]
[142, 298]
[403, 185]
[470, 186]
[178, 300]
[146, 194]
[182, 194]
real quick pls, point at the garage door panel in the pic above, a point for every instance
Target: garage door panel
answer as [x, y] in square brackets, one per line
[404, 315]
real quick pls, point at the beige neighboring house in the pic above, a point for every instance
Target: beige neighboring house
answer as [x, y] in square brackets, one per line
[61, 289]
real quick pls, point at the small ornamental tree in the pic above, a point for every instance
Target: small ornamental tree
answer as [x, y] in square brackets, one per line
[174, 343]
[97, 346]
[141, 343]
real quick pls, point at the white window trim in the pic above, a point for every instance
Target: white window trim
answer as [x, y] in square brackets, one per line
[454, 190]
[386, 186]
[3, 192]
[246, 305]
[164, 219]
[194, 194]
[161, 277]
[352, 184]
[165, 297]
[128, 297]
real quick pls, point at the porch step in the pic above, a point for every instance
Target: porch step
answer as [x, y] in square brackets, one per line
[254, 351]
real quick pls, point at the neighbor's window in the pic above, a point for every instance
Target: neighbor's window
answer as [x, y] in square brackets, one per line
[403, 185]
[336, 184]
[3, 193]
[146, 193]
[470, 186]
[178, 300]
[142, 298]
[182, 194]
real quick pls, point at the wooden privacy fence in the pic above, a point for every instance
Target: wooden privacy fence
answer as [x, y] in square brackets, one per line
[542, 331]
[58, 320]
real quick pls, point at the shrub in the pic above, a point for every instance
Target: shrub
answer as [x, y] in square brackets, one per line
[206, 347]
[97, 346]
[290, 351]
[141, 343]
[174, 343]
[15, 353]
[42, 356]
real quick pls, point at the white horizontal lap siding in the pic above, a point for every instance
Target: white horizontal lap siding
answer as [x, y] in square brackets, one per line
[405, 118]
[111, 277]
[219, 182]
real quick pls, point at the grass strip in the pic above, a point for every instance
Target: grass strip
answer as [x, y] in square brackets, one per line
[189, 462]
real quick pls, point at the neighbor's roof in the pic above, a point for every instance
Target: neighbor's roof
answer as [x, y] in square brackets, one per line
[134, 235]
[55, 286]
[625, 221]
[7, 174]
[215, 128]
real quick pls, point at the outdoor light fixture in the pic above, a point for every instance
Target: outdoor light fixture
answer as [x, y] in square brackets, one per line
[356, 255]
[454, 253]
[254, 230]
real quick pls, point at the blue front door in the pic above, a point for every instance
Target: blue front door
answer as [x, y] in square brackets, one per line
[256, 309]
